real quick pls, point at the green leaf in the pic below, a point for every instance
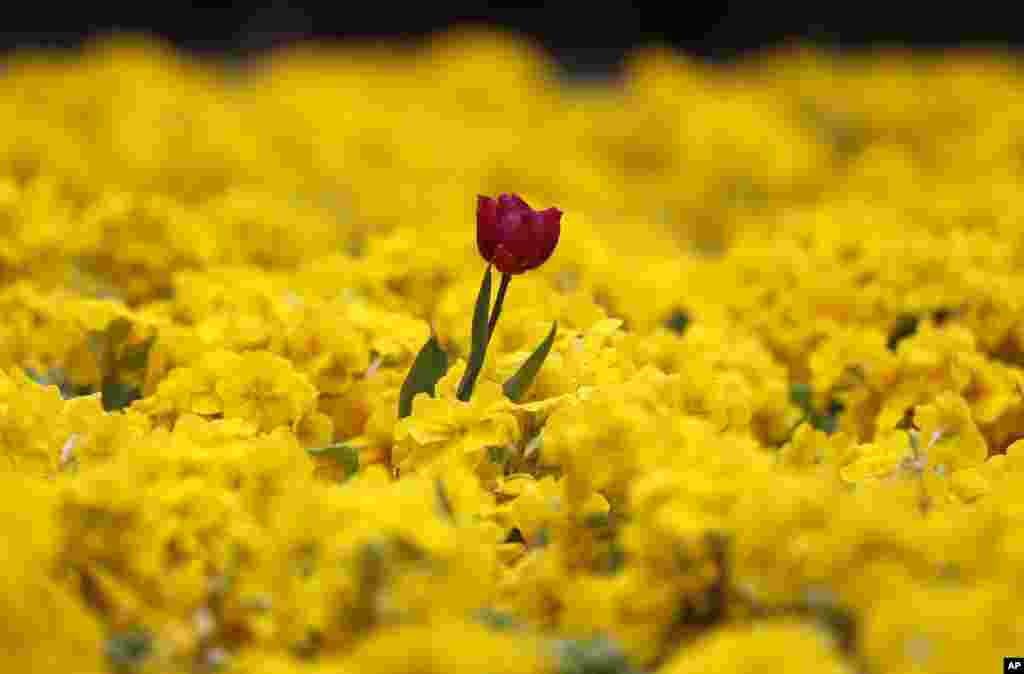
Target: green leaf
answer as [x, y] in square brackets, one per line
[678, 321]
[117, 395]
[127, 651]
[430, 365]
[518, 383]
[103, 343]
[346, 455]
[371, 574]
[800, 395]
[481, 314]
[515, 536]
[904, 326]
[596, 655]
[495, 619]
[498, 454]
[135, 356]
[616, 558]
[829, 421]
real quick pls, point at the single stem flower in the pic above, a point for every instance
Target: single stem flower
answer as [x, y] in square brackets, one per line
[498, 302]
[513, 238]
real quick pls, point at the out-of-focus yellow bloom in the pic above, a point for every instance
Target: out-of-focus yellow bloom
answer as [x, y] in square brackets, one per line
[49, 628]
[191, 528]
[256, 386]
[43, 434]
[428, 649]
[790, 644]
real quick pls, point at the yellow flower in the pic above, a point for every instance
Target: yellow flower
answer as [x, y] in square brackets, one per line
[812, 447]
[445, 426]
[292, 242]
[179, 521]
[948, 434]
[790, 644]
[536, 505]
[879, 459]
[265, 388]
[428, 649]
[257, 386]
[189, 390]
[577, 360]
[970, 484]
[730, 402]
[328, 349]
[27, 416]
[30, 596]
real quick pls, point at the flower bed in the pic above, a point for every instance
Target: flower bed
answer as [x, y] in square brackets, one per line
[778, 426]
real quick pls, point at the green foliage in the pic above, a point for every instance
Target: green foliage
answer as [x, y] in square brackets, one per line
[116, 357]
[346, 455]
[517, 385]
[802, 396]
[495, 619]
[678, 321]
[596, 655]
[430, 365]
[905, 326]
[126, 652]
[117, 395]
[481, 336]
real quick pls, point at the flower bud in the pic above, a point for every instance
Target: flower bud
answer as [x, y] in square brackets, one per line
[514, 237]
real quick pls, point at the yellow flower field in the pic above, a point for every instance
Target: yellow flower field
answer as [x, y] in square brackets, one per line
[781, 427]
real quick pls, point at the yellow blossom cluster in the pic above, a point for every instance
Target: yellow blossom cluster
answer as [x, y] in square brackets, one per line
[780, 427]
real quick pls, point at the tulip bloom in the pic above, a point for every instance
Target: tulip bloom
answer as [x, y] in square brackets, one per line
[514, 237]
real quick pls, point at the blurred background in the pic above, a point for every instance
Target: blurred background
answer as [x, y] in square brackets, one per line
[822, 134]
[590, 42]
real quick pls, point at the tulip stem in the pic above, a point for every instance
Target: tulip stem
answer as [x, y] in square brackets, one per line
[498, 301]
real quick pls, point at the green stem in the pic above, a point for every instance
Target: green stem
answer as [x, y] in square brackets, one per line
[499, 300]
[480, 338]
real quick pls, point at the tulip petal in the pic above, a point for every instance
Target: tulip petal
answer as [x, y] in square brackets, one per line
[552, 229]
[512, 202]
[552, 219]
[506, 262]
[520, 238]
[486, 226]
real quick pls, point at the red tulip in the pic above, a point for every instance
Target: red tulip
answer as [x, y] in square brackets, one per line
[514, 237]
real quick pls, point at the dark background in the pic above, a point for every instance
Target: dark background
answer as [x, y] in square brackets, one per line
[587, 38]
